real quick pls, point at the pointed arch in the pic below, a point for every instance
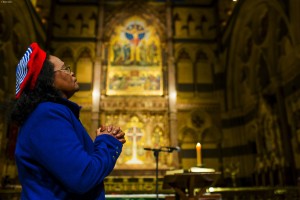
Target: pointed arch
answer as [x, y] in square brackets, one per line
[248, 22]
[187, 135]
[185, 69]
[84, 69]
[204, 71]
[66, 54]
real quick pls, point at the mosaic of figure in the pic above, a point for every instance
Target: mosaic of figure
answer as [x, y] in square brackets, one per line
[135, 66]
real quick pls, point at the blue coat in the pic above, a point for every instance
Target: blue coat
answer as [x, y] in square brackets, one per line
[57, 159]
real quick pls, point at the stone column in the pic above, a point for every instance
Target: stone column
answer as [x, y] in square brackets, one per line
[281, 111]
[285, 134]
[97, 69]
[171, 84]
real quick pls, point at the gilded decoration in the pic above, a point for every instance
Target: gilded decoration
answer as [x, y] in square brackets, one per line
[135, 61]
[143, 129]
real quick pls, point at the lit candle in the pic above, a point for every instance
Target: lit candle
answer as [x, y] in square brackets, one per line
[198, 149]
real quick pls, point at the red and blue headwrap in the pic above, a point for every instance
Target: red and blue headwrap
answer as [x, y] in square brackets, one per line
[29, 68]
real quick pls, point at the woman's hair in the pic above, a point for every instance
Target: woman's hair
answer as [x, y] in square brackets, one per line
[43, 91]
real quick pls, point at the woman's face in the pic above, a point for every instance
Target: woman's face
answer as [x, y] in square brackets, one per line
[64, 79]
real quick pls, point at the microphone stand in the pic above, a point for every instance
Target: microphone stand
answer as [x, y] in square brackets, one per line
[156, 154]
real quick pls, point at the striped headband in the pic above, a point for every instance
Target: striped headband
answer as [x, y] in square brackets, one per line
[29, 68]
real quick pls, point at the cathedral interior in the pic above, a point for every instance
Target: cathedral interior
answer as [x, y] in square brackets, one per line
[172, 73]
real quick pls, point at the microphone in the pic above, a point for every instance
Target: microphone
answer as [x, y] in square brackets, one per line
[148, 149]
[170, 149]
[151, 149]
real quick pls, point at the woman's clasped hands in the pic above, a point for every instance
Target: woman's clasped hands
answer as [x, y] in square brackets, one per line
[116, 132]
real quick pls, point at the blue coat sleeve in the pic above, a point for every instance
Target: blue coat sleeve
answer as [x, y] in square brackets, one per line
[56, 146]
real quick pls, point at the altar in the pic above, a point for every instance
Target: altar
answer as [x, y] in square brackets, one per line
[185, 184]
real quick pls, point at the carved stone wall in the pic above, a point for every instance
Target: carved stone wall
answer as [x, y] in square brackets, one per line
[261, 75]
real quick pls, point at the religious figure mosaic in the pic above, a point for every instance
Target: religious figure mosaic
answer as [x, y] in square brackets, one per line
[135, 65]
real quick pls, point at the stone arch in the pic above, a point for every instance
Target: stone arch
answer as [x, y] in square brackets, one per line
[84, 51]
[65, 51]
[204, 67]
[84, 69]
[182, 48]
[209, 53]
[184, 68]
[246, 20]
[66, 54]
[177, 23]
[187, 135]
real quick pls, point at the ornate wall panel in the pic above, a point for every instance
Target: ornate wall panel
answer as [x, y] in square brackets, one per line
[145, 122]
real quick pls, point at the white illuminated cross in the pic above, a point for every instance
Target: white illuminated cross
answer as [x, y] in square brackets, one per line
[134, 135]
